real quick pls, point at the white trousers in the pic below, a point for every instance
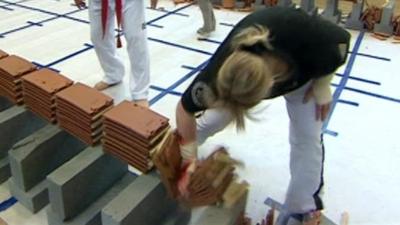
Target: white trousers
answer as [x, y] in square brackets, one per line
[133, 25]
[306, 149]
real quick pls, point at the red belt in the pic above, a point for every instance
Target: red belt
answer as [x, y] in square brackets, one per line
[118, 12]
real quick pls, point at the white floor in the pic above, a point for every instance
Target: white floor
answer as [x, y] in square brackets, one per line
[362, 152]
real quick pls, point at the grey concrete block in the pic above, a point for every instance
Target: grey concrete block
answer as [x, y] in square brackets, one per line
[385, 25]
[34, 199]
[353, 20]
[218, 215]
[5, 172]
[144, 202]
[332, 12]
[17, 123]
[83, 179]
[92, 214]
[50, 145]
[4, 103]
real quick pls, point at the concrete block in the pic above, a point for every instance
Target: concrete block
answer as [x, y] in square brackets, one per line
[5, 172]
[353, 20]
[332, 12]
[82, 180]
[17, 123]
[219, 215]
[144, 202]
[92, 214]
[49, 144]
[34, 199]
[4, 103]
[385, 25]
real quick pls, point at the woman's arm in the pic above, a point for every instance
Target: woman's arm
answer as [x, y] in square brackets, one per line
[186, 126]
[321, 91]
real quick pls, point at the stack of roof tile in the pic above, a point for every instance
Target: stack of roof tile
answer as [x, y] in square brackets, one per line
[12, 68]
[40, 88]
[133, 133]
[80, 110]
[3, 54]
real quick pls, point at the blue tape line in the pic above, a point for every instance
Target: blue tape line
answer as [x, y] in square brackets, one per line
[177, 83]
[188, 67]
[348, 102]
[370, 94]
[30, 8]
[180, 46]
[344, 79]
[7, 204]
[360, 79]
[170, 13]
[332, 133]
[164, 10]
[209, 40]
[154, 25]
[15, 30]
[165, 90]
[227, 24]
[88, 47]
[34, 24]
[372, 56]
[6, 8]
[42, 66]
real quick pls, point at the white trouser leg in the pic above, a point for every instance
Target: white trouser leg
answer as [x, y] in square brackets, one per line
[105, 48]
[306, 154]
[136, 38]
[211, 122]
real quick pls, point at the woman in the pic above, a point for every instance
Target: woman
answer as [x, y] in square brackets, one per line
[271, 52]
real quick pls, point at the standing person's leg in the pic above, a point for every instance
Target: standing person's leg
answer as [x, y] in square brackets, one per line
[105, 48]
[134, 26]
[207, 12]
[211, 122]
[306, 155]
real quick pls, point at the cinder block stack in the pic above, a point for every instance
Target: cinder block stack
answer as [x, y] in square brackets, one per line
[80, 109]
[40, 88]
[133, 133]
[3, 54]
[12, 68]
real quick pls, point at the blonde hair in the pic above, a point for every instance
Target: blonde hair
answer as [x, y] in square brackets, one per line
[246, 78]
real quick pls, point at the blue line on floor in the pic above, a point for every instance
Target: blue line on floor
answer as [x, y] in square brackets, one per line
[164, 10]
[348, 102]
[88, 47]
[344, 79]
[177, 83]
[332, 133]
[180, 46]
[7, 204]
[165, 90]
[34, 24]
[43, 66]
[209, 40]
[188, 67]
[15, 30]
[372, 56]
[370, 94]
[227, 24]
[6, 8]
[170, 13]
[360, 79]
[154, 25]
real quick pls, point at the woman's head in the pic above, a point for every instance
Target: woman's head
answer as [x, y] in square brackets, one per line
[246, 77]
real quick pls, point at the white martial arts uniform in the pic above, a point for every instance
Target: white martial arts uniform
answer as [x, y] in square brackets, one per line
[134, 29]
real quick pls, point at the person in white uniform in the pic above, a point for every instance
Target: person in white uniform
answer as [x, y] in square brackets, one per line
[130, 17]
[272, 52]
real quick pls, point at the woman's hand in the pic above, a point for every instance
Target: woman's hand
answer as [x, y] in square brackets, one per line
[321, 110]
[80, 4]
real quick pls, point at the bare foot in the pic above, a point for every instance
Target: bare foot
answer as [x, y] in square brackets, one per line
[103, 85]
[142, 102]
